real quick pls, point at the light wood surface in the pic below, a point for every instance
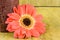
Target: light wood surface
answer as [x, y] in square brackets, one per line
[41, 2]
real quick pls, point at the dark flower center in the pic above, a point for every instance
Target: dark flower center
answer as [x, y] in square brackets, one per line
[27, 21]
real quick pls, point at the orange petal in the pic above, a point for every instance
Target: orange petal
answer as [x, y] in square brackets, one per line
[24, 8]
[28, 34]
[40, 27]
[9, 20]
[18, 33]
[38, 18]
[34, 33]
[15, 34]
[15, 10]
[29, 9]
[14, 16]
[21, 10]
[21, 36]
[14, 25]
[9, 28]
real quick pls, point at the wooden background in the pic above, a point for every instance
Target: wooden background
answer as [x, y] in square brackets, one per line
[51, 18]
[41, 2]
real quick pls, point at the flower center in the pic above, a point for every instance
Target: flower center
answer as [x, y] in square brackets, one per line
[27, 21]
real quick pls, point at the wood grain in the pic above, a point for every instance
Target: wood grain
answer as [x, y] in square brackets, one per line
[41, 2]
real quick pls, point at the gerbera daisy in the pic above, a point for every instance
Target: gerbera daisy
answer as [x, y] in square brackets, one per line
[24, 22]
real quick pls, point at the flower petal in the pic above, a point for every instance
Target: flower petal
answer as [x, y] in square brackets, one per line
[34, 33]
[18, 34]
[9, 20]
[9, 28]
[38, 18]
[13, 26]
[23, 8]
[19, 10]
[15, 10]
[28, 34]
[40, 27]
[29, 9]
[14, 16]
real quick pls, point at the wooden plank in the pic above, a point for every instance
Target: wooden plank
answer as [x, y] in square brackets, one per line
[41, 2]
[5, 8]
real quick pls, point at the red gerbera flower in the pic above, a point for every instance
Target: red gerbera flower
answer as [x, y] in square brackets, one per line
[24, 22]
